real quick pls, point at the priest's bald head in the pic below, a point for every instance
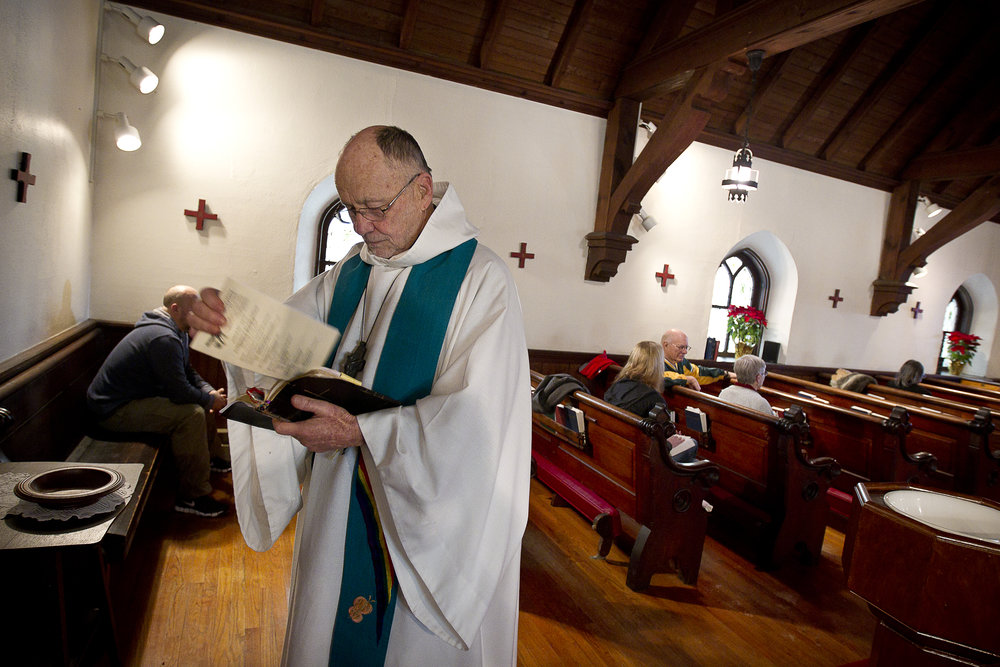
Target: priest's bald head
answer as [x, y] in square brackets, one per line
[385, 185]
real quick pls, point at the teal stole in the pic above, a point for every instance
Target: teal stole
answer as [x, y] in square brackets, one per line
[405, 372]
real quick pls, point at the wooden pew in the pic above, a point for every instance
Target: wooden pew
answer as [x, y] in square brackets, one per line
[623, 462]
[766, 476]
[868, 447]
[960, 444]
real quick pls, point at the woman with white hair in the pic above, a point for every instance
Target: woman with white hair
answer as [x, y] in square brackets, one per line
[750, 373]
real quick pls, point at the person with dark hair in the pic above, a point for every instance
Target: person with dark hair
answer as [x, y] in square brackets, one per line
[147, 385]
[750, 373]
[909, 377]
[409, 520]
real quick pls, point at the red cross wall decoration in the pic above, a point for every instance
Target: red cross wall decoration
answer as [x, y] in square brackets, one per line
[24, 177]
[665, 276]
[522, 255]
[836, 298]
[201, 215]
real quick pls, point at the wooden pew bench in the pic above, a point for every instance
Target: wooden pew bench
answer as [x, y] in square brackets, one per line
[767, 478]
[870, 447]
[960, 444]
[619, 473]
[43, 418]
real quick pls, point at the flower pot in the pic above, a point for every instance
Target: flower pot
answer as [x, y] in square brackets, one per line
[956, 367]
[743, 349]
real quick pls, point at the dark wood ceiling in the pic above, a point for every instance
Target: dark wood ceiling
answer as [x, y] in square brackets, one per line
[876, 92]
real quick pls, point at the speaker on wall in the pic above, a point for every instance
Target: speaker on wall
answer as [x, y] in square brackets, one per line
[770, 353]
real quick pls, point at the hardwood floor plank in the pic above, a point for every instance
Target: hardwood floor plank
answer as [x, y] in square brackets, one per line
[213, 601]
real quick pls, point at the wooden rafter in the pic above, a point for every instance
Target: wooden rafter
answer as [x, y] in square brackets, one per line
[900, 257]
[967, 163]
[567, 43]
[914, 113]
[827, 80]
[922, 37]
[765, 88]
[666, 25]
[409, 23]
[772, 25]
[493, 28]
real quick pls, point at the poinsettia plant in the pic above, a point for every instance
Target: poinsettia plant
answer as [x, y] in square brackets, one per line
[962, 346]
[745, 324]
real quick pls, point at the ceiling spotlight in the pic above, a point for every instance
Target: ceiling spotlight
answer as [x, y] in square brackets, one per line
[139, 76]
[932, 209]
[648, 221]
[648, 126]
[146, 26]
[126, 136]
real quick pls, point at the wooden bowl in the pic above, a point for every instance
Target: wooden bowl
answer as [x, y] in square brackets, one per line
[73, 486]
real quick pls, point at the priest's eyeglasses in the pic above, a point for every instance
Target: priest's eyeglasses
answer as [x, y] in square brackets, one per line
[349, 214]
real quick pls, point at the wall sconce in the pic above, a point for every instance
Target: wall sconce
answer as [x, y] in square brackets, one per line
[139, 76]
[647, 221]
[741, 179]
[932, 209]
[126, 136]
[146, 26]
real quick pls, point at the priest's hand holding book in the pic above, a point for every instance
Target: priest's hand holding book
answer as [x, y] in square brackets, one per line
[236, 339]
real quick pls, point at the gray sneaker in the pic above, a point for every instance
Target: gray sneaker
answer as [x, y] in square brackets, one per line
[203, 506]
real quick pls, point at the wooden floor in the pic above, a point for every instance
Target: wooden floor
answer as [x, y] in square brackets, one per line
[213, 601]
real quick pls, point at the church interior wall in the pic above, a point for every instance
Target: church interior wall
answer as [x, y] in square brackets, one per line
[253, 126]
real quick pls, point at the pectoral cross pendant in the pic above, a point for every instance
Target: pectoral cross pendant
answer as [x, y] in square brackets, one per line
[354, 361]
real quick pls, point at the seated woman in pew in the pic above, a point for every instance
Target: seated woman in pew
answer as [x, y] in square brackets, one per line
[750, 373]
[909, 377]
[638, 387]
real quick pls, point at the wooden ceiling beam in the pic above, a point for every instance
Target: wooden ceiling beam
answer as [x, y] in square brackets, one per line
[492, 34]
[772, 25]
[323, 39]
[949, 69]
[624, 183]
[966, 163]
[409, 23]
[920, 39]
[666, 26]
[316, 12]
[578, 18]
[831, 75]
[900, 257]
[765, 87]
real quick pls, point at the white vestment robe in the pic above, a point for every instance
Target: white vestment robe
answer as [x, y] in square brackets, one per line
[450, 473]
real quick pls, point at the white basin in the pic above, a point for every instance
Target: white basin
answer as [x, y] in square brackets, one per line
[947, 513]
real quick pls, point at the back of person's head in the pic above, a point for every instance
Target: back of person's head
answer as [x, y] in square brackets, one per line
[748, 367]
[644, 364]
[910, 374]
[182, 294]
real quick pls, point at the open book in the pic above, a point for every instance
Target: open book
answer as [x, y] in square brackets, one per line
[270, 338]
[324, 384]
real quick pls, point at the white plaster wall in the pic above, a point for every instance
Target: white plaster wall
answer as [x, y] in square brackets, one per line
[253, 126]
[47, 51]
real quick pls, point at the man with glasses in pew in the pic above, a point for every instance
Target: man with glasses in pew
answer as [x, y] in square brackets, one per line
[678, 371]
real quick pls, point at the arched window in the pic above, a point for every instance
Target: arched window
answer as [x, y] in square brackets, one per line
[741, 280]
[957, 317]
[334, 240]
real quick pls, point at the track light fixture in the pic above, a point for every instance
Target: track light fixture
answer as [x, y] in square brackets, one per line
[932, 209]
[126, 136]
[141, 77]
[741, 179]
[146, 26]
[648, 221]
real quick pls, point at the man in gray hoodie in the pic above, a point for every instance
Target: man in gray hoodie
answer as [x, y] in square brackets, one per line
[147, 385]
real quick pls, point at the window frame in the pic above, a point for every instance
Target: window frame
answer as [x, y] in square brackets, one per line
[752, 262]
